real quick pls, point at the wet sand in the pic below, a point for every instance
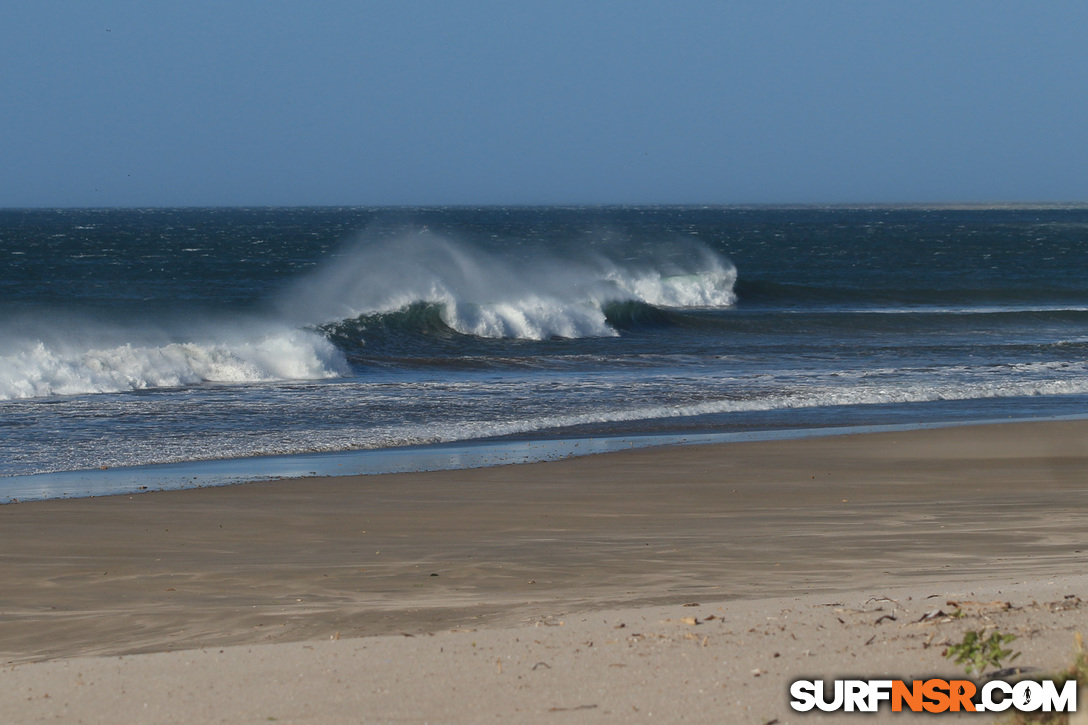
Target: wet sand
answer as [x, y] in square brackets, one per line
[745, 527]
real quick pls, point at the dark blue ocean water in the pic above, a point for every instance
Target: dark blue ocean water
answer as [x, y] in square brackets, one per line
[143, 336]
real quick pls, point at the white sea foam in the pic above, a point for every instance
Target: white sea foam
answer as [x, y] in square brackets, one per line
[384, 436]
[479, 294]
[39, 369]
[529, 318]
[485, 295]
[814, 398]
[445, 410]
[973, 310]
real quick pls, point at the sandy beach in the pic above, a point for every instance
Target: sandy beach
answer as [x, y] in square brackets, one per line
[685, 583]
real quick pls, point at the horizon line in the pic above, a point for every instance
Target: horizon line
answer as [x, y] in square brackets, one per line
[942, 205]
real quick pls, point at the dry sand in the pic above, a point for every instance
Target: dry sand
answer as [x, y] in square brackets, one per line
[803, 549]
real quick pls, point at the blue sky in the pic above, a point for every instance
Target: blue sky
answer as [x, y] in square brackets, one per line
[110, 103]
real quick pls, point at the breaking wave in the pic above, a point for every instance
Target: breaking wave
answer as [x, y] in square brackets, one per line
[39, 369]
[416, 283]
[427, 280]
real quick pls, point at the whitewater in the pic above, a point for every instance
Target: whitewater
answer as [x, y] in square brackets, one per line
[137, 337]
[474, 293]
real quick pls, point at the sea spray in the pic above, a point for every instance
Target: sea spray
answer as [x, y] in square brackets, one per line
[535, 295]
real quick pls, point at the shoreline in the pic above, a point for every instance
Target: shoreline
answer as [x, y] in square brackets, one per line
[270, 572]
[422, 458]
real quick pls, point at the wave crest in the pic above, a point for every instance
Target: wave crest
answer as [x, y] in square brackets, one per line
[41, 370]
[487, 294]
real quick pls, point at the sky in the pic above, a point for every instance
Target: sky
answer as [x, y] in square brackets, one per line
[408, 102]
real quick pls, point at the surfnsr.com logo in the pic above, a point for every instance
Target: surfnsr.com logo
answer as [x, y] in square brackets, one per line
[933, 695]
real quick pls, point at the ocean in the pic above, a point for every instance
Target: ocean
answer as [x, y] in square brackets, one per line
[161, 338]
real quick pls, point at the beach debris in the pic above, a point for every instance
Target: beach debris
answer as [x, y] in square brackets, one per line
[1070, 601]
[572, 709]
[932, 614]
[692, 604]
[890, 617]
[882, 599]
[1003, 606]
[542, 664]
[690, 620]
